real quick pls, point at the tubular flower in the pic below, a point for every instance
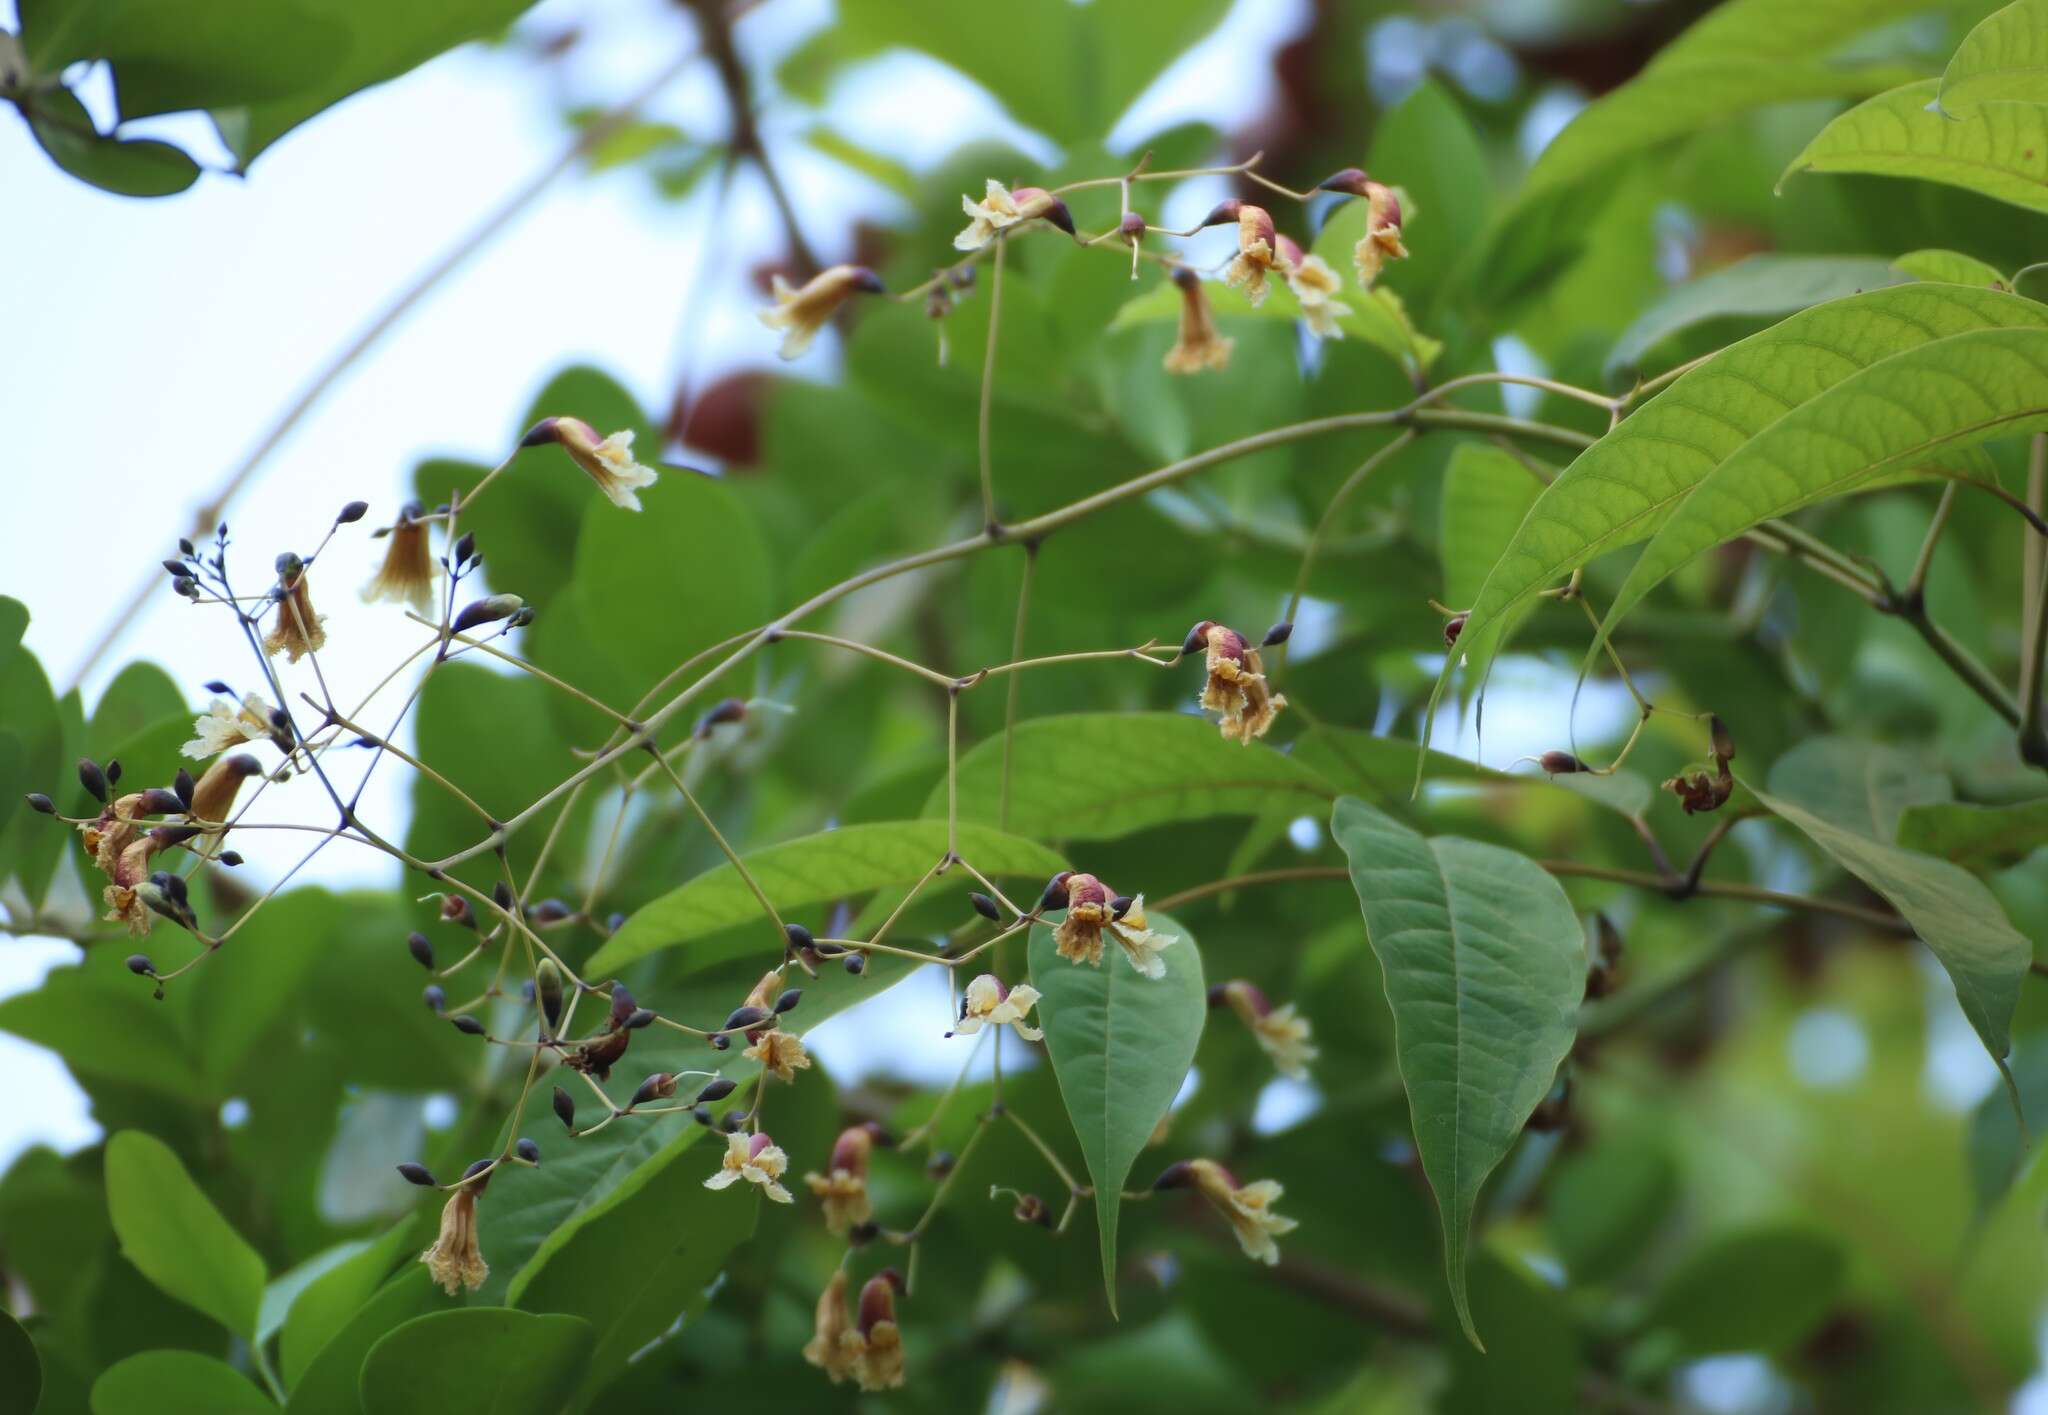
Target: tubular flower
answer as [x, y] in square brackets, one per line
[1258, 253]
[987, 1000]
[755, 1158]
[296, 631]
[879, 1366]
[1280, 1030]
[223, 725]
[407, 574]
[608, 461]
[801, 312]
[1382, 241]
[455, 1261]
[1002, 208]
[1236, 689]
[1315, 287]
[213, 799]
[844, 1191]
[834, 1347]
[1198, 345]
[1249, 1207]
[780, 1053]
[1091, 909]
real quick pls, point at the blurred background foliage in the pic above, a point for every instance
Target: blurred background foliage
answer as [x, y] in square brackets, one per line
[1784, 1177]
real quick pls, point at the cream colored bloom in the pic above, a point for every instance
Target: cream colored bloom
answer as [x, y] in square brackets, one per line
[296, 631]
[800, 312]
[1258, 253]
[407, 574]
[828, 1349]
[223, 725]
[844, 1191]
[608, 461]
[1236, 688]
[988, 1001]
[455, 1260]
[1281, 1031]
[1092, 910]
[754, 1158]
[1382, 241]
[780, 1053]
[1315, 288]
[879, 1363]
[1002, 208]
[1249, 1207]
[1198, 345]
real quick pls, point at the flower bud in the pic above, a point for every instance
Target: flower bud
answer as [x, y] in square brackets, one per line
[92, 779]
[730, 710]
[642, 1016]
[418, 1174]
[548, 911]
[717, 1089]
[547, 991]
[731, 1122]
[351, 513]
[856, 964]
[465, 547]
[660, 1086]
[527, 1151]
[863, 1233]
[1561, 763]
[565, 1109]
[623, 1006]
[501, 895]
[422, 951]
[940, 1164]
[985, 906]
[1055, 896]
[799, 937]
[743, 1018]
[487, 611]
[434, 998]
[160, 801]
[42, 804]
[477, 1167]
[113, 771]
[1454, 626]
[139, 964]
[788, 1001]
[1277, 635]
[1350, 182]
[231, 858]
[720, 1042]
[468, 1025]
[1223, 213]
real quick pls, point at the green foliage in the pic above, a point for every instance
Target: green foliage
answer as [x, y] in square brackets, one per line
[175, 1383]
[176, 1237]
[1120, 1044]
[1997, 147]
[2005, 56]
[1484, 962]
[492, 1360]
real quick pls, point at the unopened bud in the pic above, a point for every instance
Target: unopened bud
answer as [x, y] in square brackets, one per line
[642, 1016]
[501, 895]
[730, 710]
[1055, 896]
[940, 1164]
[487, 611]
[720, 1042]
[799, 937]
[42, 804]
[863, 1233]
[161, 801]
[422, 951]
[231, 858]
[548, 911]
[434, 997]
[1561, 763]
[565, 1109]
[856, 964]
[477, 1168]
[527, 1151]
[1121, 905]
[717, 1089]
[92, 779]
[660, 1086]
[731, 1122]
[465, 547]
[1277, 635]
[744, 1017]
[183, 785]
[139, 964]
[623, 1005]
[113, 771]
[985, 906]
[418, 1174]
[1454, 626]
[351, 513]
[468, 1025]
[1352, 181]
[788, 1001]
[547, 991]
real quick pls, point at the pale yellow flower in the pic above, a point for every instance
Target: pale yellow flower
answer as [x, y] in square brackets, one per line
[828, 1348]
[800, 312]
[1258, 253]
[756, 1159]
[296, 631]
[1249, 1207]
[407, 574]
[608, 460]
[224, 725]
[780, 1053]
[988, 1001]
[879, 1364]
[1315, 288]
[1382, 241]
[844, 1191]
[1236, 688]
[455, 1260]
[1198, 345]
[1092, 910]
[1002, 208]
[1281, 1031]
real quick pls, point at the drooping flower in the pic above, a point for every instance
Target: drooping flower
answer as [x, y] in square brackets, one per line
[1092, 909]
[129, 877]
[455, 1260]
[1258, 251]
[407, 574]
[1315, 288]
[1198, 346]
[1382, 240]
[754, 1158]
[844, 1191]
[780, 1053]
[834, 1346]
[1236, 688]
[1249, 1207]
[988, 1001]
[1002, 208]
[223, 725]
[879, 1365]
[801, 312]
[213, 798]
[296, 631]
[1281, 1031]
[608, 461]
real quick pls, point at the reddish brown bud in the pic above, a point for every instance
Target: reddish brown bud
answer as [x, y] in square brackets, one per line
[1454, 626]
[660, 1086]
[1561, 763]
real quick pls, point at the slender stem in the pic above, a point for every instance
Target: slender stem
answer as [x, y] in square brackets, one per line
[1925, 560]
[1324, 522]
[2034, 612]
[988, 385]
[879, 655]
[1038, 1143]
[470, 642]
[1016, 684]
[731, 854]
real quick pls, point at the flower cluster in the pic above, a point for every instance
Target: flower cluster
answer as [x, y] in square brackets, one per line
[869, 1347]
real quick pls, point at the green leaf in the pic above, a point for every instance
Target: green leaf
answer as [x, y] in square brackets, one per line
[1121, 1045]
[284, 1290]
[175, 1383]
[1484, 962]
[1977, 837]
[486, 1360]
[1998, 147]
[331, 1299]
[176, 1237]
[1951, 909]
[1917, 406]
[2005, 56]
[1097, 776]
[100, 1018]
[1428, 144]
[21, 1370]
[1951, 267]
[813, 869]
[129, 167]
[269, 959]
[1860, 786]
[385, 38]
[1627, 485]
[140, 696]
[1487, 494]
[1759, 1290]
[329, 1384]
[170, 55]
[1604, 1205]
[1757, 285]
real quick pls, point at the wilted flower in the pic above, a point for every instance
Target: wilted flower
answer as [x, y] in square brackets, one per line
[1198, 345]
[834, 1346]
[1258, 252]
[987, 1000]
[780, 1053]
[1315, 288]
[755, 1158]
[130, 876]
[608, 461]
[213, 799]
[296, 631]
[1002, 208]
[879, 1364]
[1090, 910]
[407, 574]
[455, 1260]
[1236, 689]
[801, 312]
[1249, 1207]
[1697, 791]
[1280, 1030]
[1382, 240]
[844, 1191]
[223, 725]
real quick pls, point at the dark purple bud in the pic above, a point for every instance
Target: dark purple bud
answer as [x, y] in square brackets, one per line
[660, 1086]
[157, 801]
[418, 1174]
[468, 1026]
[487, 611]
[1351, 182]
[38, 802]
[216, 686]
[1132, 226]
[565, 1109]
[1561, 763]
[184, 785]
[114, 771]
[231, 858]
[527, 1150]
[868, 282]
[434, 998]
[139, 964]
[176, 568]
[1055, 896]
[92, 779]
[465, 547]
[788, 1001]
[422, 951]
[717, 1089]
[1175, 1176]
[731, 1121]
[1223, 212]
[351, 513]
[731, 710]
[863, 1233]
[1196, 641]
[186, 546]
[549, 911]
[614, 922]
[642, 1017]
[744, 1017]
[501, 895]
[623, 1005]
[547, 991]
[541, 434]
[701, 1115]
[940, 1164]
[477, 1167]
[799, 937]
[985, 906]
[1059, 216]
[1120, 906]
[720, 1042]
[856, 964]
[1277, 635]
[1454, 626]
